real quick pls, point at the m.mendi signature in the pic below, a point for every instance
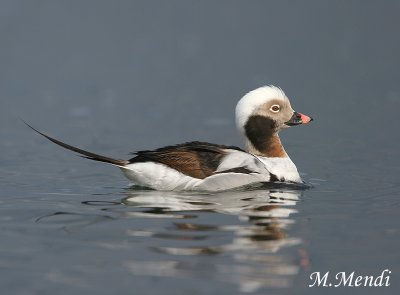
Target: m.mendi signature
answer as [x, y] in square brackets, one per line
[344, 279]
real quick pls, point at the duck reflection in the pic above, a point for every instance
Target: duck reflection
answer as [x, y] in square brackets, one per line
[245, 249]
[237, 237]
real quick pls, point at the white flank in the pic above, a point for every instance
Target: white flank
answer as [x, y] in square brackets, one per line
[283, 168]
[161, 177]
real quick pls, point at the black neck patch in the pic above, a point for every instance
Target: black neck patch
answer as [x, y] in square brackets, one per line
[259, 129]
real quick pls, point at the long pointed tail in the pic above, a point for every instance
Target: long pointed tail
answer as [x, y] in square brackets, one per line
[84, 154]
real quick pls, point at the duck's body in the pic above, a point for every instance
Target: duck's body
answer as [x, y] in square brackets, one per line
[205, 166]
[211, 167]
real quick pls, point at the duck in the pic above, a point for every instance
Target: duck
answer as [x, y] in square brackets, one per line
[202, 166]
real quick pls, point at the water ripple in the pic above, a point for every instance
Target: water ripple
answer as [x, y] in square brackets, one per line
[238, 237]
[248, 246]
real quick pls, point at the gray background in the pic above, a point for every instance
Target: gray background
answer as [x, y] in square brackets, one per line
[119, 76]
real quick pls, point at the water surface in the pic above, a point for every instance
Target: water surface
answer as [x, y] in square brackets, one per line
[115, 78]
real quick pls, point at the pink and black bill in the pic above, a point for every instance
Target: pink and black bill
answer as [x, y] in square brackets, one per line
[298, 118]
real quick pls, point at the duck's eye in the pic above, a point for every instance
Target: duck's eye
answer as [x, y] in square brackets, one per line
[275, 108]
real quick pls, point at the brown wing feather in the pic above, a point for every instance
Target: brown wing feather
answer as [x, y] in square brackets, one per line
[198, 160]
[185, 162]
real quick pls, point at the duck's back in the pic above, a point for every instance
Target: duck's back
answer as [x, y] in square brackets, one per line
[196, 166]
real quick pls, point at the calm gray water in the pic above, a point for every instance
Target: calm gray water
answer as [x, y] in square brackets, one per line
[114, 77]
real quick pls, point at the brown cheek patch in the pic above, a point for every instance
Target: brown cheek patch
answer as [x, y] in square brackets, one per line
[285, 110]
[261, 131]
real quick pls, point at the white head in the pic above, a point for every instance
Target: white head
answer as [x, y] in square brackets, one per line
[269, 101]
[261, 114]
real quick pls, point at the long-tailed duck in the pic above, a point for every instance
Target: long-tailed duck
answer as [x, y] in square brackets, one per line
[204, 166]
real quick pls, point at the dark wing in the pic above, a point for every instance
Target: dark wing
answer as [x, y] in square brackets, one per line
[196, 159]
